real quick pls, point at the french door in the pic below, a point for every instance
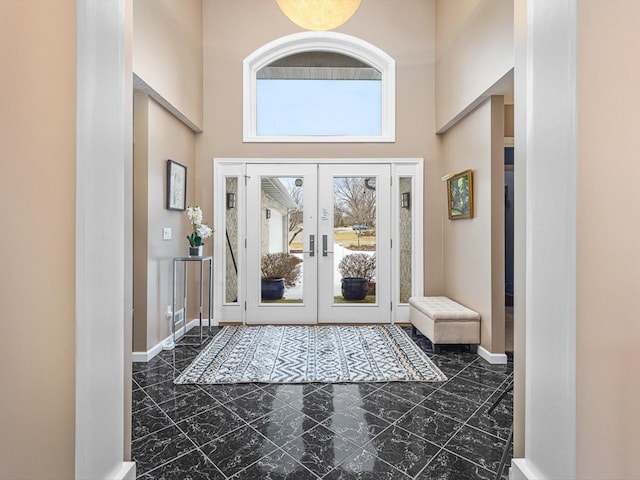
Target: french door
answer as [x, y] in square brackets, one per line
[318, 243]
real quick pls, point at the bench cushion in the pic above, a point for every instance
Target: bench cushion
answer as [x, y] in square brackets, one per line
[442, 309]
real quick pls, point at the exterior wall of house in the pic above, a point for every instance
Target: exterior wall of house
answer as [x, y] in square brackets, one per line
[37, 287]
[266, 225]
[474, 248]
[608, 253]
[408, 36]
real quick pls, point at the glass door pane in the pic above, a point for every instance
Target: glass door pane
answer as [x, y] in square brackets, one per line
[354, 239]
[281, 239]
[355, 230]
[281, 234]
[405, 239]
[231, 240]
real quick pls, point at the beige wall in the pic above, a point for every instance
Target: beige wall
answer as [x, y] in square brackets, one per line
[474, 248]
[37, 121]
[405, 29]
[140, 218]
[167, 56]
[474, 49]
[496, 344]
[128, 228]
[162, 137]
[167, 51]
[608, 256]
[519, 262]
[452, 18]
[508, 121]
[474, 59]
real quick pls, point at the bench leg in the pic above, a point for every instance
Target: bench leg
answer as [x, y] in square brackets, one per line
[436, 348]
[473, 348]
[414, 331]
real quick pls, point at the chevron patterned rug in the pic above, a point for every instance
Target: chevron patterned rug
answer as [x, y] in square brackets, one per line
[301, 354]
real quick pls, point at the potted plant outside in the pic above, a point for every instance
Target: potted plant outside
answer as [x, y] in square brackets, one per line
[279, 270]
[358, 271]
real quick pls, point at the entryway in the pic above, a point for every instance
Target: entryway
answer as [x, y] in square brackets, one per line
[317, 241]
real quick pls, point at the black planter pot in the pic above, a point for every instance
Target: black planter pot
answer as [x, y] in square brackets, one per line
[354, 288]
[272, 288]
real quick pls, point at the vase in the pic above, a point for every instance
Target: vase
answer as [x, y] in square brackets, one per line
[354, 288]
[195, 251]
[272, 288]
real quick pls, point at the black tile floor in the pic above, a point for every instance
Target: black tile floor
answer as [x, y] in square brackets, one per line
[376, 431]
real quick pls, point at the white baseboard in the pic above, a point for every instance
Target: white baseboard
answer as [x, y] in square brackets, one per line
[156, 349]
[149, 354]
[205, 323]
[494, 358]
[521, 470]
[126, 472]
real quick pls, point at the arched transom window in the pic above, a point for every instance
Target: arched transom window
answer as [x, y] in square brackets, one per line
[319, 87]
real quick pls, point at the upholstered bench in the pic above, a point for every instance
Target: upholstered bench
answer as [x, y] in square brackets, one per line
[444, 321]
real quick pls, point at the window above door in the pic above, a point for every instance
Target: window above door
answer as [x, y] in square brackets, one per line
[319, 87]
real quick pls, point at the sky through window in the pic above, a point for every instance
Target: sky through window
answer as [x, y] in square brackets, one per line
[319, 107]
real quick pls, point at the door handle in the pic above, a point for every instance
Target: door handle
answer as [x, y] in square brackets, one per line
[324, 246]
[312, 246]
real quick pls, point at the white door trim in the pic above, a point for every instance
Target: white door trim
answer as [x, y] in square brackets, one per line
[226, 166]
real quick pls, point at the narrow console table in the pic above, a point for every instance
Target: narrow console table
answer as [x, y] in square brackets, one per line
[186, 261]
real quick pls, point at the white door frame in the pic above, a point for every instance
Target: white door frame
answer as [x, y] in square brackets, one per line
[236, 167]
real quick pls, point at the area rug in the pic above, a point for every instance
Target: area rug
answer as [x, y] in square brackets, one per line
[302, 354]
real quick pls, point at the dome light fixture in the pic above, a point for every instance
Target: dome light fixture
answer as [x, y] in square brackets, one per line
[318, 15]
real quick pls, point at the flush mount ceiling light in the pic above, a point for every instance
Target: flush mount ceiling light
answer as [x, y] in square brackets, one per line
[318, 14]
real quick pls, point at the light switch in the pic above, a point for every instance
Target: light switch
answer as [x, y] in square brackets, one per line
[166, 234]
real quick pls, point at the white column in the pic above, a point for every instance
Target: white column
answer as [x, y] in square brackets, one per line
[103, 138]
[550, 438]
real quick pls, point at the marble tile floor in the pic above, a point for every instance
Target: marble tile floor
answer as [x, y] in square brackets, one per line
[376, 431]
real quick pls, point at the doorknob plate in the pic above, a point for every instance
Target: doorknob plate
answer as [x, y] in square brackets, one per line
[325, 252]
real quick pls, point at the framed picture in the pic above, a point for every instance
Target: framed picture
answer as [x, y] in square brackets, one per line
[460, 195]
[176, 186]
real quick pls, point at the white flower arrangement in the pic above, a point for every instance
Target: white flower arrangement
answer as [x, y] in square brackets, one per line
[201, 230]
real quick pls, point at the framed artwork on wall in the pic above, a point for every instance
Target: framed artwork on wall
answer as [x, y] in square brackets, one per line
[460, 195]
[176, 186]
